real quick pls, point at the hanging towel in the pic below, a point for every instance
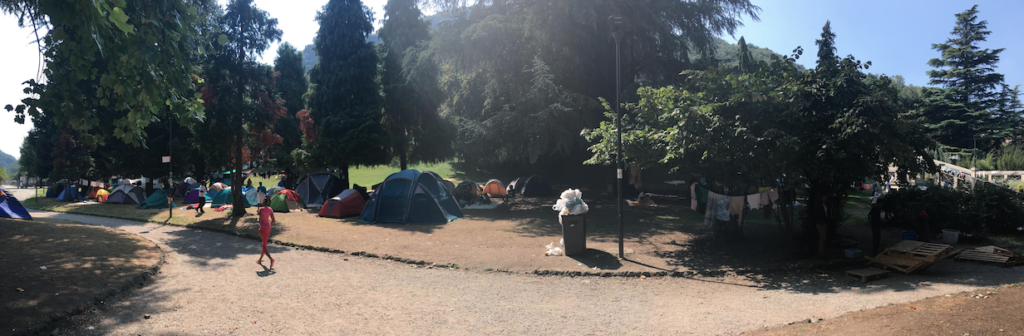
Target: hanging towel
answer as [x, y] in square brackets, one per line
[693, 196]
[722, 208]
[736, 205]
[754, 201]
[709, 212]
[634, 176]
[773, 195]
[765, 200]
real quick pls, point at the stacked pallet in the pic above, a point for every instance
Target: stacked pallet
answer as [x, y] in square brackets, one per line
[992, 255]
[911, 255]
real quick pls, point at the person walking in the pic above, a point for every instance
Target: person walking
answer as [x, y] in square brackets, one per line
[202, 197]
[875, 219]
[266, 219]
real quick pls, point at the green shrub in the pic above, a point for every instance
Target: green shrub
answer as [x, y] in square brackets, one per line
[988, 209]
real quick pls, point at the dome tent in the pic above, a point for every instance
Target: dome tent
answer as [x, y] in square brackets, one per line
[317, 189]
[286, 201]
[494, 188]
[127, 194]
[158, 200]
[10, 207]
[535, 186]
[467, 191]
[411, 197]
[347, 203]
[224, 197]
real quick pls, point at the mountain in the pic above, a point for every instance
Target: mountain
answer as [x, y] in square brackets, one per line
[9, 163]
[728, 53]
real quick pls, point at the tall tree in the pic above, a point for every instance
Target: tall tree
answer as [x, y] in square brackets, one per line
[291, 85]
[969, 108]
[149, 48]
[411, 91]
[491, 51]
[27, 159]
[775, 125]
[344, 95]
[239, 91]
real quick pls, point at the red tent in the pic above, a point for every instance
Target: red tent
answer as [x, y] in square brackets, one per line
[347, 203]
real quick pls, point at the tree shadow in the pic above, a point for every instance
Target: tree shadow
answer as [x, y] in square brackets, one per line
[596, 258]
[202, 252]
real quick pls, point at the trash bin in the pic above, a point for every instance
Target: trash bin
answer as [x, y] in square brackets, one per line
[950, 237]
[574, 233]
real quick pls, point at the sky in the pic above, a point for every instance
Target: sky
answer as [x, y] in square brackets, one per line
[895, 35]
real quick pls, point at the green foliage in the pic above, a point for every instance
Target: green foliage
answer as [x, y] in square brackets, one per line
[1010, 157]
[344, 96]
[986, 209]
[3, 174]
[496, 53]
[291, 85]
[132, 58]
[973, 107]
[826, 127]
[410, 87]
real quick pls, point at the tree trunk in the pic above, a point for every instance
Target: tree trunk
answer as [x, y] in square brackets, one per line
[238, 201]
[343, 175]
[402, 158]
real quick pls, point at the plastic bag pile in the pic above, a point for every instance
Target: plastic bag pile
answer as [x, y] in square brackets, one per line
[571, 203]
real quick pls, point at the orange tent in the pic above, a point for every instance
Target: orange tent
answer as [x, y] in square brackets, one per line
[494, 188]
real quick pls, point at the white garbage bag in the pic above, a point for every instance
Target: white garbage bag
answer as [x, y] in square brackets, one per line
[571, 203]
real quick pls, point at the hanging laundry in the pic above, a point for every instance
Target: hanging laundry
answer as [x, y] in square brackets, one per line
[763, 189]
[634, 175]
[765, 199]
[709, 212]
[693, 196]
[773, 195]
[722, 208]
[754, 201]
[702, 198]
[736, 205]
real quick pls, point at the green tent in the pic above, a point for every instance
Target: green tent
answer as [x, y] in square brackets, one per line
[281, 203]
[224, 197]
[158, 200]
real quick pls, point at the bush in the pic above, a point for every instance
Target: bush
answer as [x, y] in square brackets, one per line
[988, 209]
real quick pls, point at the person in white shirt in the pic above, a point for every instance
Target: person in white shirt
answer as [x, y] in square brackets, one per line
[202, 198]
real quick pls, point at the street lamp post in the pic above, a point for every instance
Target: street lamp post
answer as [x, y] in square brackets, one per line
[615, 22]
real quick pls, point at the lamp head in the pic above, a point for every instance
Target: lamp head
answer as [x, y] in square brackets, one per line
[616, 23]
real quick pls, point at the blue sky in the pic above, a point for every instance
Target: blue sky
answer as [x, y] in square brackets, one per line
[895, 35]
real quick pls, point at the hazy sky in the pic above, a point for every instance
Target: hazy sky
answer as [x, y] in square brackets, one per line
[895, 35]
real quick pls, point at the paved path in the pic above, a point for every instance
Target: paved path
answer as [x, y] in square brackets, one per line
[211, 285]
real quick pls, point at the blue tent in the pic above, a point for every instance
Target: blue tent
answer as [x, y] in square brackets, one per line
[411, 197]
[54, 190]
[10, 207]
[69, 194]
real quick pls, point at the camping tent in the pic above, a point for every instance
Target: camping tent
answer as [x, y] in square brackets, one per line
[348, 203]
[274, 190]
[55, 190]
[316, 189]
[218, 186]
[192, 197]
[411, 197]
[10, 207]
[536, 186]
[101, 195]
[69, 194]
[224, 197]
[158, 200]
[250, 196]
[285, 201]
[92, 194]
[127, 194]
[467, 191]
[494, 188]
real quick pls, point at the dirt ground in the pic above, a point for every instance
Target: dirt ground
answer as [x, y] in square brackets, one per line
[81, 262]
[982, 312]
[667, 237]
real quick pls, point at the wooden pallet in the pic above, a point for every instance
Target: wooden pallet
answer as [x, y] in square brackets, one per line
[867, 274]
[992, 255]
[903, 263]
[926, 251]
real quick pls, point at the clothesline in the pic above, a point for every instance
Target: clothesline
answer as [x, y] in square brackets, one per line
[722, 207]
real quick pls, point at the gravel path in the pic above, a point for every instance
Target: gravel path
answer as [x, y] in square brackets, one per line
[212, 285]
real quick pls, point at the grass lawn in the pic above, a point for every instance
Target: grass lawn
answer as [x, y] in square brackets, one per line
[368, 176]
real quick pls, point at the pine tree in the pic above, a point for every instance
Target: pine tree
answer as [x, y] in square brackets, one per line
[411, 91]
[344, 96]
[291, 85]
[966, 110]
